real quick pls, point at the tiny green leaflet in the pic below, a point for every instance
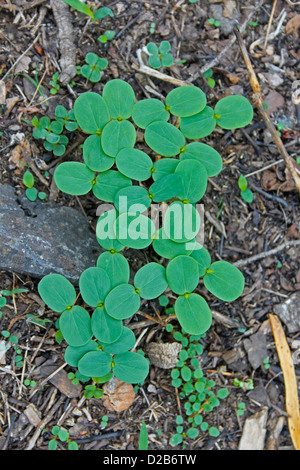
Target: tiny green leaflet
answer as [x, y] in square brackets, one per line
[185, 101]
[75, 326]
[57, 292]
[164, 138]
[74, 178]
[91, 112]
[94, 285]
[116, 267]
[122, 302]
[147, 111]
[120, 98]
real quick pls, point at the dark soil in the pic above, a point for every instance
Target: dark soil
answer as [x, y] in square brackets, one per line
[234, 229]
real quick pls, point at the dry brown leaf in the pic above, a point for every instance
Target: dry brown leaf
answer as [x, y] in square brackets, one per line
[290, 381]
[16, 157]
[117, 396]
[10, 103]
[269, 181]
[293, 26]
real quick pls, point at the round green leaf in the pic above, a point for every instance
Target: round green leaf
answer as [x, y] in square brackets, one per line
[186, 373]
[150, 280]
[134, 164]
[132, 199]
[134, 231]
[224, 280]
[73, 355]
[31, 194]
[94, 285]
[123, 344]
[95, 364]
[181, 222]
[122, 302]
[120, 98]
[203, 258]
[194, 177]
[164, 167]
[74, 178]
[147, 111]
[203, 153]
[108, 184]
[105, 231]
[233, 112]
[200, 125]
[116, 267]
[93, 154]
[166, 187]
[131, 367]
[116, 136]
[105, 328]
[168, 249]
[75, 326]
[164, 47]
[152, 48]
[155, 61]
[57, 292]
[91, 112]
[193, 314]
[182, 274]
[164, 138]
[185, 101]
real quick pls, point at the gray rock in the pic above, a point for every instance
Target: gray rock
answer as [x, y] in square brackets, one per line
[39, 238]
[289, 312]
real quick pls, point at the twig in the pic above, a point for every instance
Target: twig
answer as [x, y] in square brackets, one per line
[258, 102]
[269, 196]
[269, 24]
[265, 254]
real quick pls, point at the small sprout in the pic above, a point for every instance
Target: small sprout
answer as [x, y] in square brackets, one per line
[160, 55]
[152, 28]
[241, 408]
[266, 363]
[246, 193]
[92, 70]
[54, 84]
[208, 74]
[107, 36]
[214, 22]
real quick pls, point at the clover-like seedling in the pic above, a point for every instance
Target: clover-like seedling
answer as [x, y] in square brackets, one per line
[62, 435]
[31, 192]
[116, 172]
[160, 56]
[93, 68]
[208, 75]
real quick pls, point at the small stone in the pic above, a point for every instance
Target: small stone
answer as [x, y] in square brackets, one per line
[117, 396]
[39, 238]
[289, 312]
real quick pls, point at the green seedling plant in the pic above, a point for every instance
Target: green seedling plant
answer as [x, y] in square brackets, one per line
[51, 132]
[244, 384]
[93, 68]
[62, 435]
[246, 193]
[90, 318]
[54, 83]
[241, 408]
[94, 14]
[214, 22]
[107, 36]
[143, 438]
[152, 28]
[194, 388]
[31, 192]
[160, 56]
[208, 75]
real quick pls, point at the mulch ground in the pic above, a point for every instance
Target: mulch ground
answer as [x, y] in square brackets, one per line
[241, 337]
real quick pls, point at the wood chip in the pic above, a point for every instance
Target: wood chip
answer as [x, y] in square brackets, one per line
[163, 355]
[32, 414]
[254, 431]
